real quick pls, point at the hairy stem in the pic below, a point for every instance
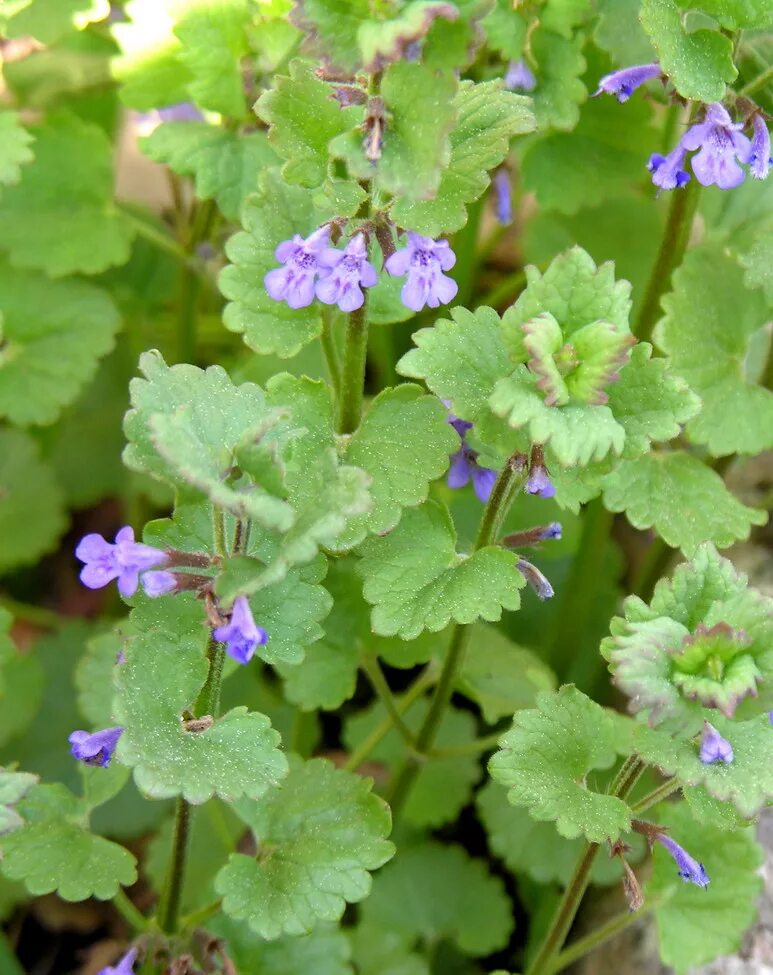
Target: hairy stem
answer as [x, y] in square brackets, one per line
[380, 685]
[353, 372]
[131, 914]
[329, 350]
[663, 791]
[169, 914]
[510, 480]
[569, 904]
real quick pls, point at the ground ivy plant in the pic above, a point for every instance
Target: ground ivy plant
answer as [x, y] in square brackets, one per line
[380, 381]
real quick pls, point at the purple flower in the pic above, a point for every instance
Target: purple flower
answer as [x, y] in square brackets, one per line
[539, 482]
[553, 530]
[623, 83]
[294, 283]
[124, 967]
[667, 172]
[538, 582]
[760, 158]
[240, 635]
[96, 749]
[519, 77]
[464, 467]
[123, 561]
[348, 272]
[721, 147]
[504, 205]
[461, 426]
[181, 112]
[424, 260]
[714, 748]
[689, 869]
[158, 583]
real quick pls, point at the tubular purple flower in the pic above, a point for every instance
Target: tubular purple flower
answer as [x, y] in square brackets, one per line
[553, 530]
[623, 83]
[520, 77]
[465, 468]
[504, 204]
[667, 171]
[123, 560]
[158, 583]
[294, 283]
[124, 967]
[240, 635]
[760, 158]
[424, 260]
[347, 273]
[714, 748]
[94, 749]
[721, 146]
[689, 869]
[538, 582]
[461, 426]
[539, 482]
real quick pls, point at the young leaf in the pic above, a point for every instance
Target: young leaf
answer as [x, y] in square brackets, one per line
[164, 671]
[324, 951]
[438, 892]
[545, 761]
[69, 184]
[318, 835]
[275, 213]
[487, 118]
[443, 786]
[696, 925]
[415, 579]
[287, 108]
[734, 14]
[332, 26]
[32, 515]
[53, 335]
[224, 164]
[698, 63]
[384, 41]
[54, 851]
[15, 149]
[706, 332]
[684, 500]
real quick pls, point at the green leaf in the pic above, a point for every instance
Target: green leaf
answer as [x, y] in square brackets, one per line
[696, 925]
[378, 951]
[164, 671]
[53, 335]
[460, 359]
[324, 951]
[21, 684]
[615, 144]
[332, 27]
[50, 20]
[416, 146]
[415, 579]
[500, 676]
[287, 108]
[274, 214]
[706, 332]
[213, 36]
[546, 758]
[317, 835]
[649, 401]
[94, 678]
[698, 63]
[746, 782]
[382, 42]
[685, 501]
[15, 149]
[54, 851]
[619, 32]
[443, 786]
[734, 14]
[13, 787]
[436, 892]
[559, 65]
[505, 30]
[758, 263]
[224, 164]
[32, 515]
[70, 184]
[487, 118]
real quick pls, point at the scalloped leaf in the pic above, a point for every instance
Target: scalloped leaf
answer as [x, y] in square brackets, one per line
[21, 684]
[15, 149]
[559, 65]
[545, 759]
[165, 669]
[318, 836]
[415, 580]
[324, 951]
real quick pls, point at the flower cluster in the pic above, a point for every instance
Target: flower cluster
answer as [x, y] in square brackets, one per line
[720, 148]
[336, 277]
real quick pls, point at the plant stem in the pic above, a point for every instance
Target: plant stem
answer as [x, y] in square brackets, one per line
[663, 791]
[329, 350]
[353, 373]
[510, 480]
[569, 904]
[38, 615]
[471, 748]
[654, 566]
[209, 699]
[195, 918]
[509, 287]
[684, 203]
[380, 685]
[170, 909]
[758, 82]
[131, 914]
[218, 531]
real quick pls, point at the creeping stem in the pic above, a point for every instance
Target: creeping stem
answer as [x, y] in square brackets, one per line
[352, 384]
[510, 480]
